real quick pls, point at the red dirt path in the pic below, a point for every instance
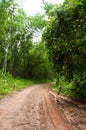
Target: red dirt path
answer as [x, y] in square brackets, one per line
[32, 108]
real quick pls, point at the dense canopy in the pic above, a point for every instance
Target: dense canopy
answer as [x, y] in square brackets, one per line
[65, 37]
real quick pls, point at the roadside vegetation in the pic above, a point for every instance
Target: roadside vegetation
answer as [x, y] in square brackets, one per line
[65, 37]
[9, 83]
[70, 89]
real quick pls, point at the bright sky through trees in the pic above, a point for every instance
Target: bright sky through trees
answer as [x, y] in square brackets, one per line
[33, 6]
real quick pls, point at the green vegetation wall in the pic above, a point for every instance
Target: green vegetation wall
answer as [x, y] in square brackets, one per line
[65, 37]
[18, 54]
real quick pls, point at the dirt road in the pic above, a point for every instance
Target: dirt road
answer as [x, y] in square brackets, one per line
[31, 109]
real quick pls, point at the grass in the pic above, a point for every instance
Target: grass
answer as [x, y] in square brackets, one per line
[9, 84]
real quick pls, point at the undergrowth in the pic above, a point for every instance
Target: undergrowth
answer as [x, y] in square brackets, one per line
[77, 92]
[64, 86]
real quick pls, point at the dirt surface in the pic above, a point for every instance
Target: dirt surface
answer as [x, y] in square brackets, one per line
[32, 108]
[75, 112]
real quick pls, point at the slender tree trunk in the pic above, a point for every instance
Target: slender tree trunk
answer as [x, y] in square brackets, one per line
[5, 63]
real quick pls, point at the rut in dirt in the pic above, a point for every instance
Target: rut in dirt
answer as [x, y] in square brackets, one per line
[31, 109]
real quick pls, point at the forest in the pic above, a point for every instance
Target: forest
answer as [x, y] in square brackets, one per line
[60, 55]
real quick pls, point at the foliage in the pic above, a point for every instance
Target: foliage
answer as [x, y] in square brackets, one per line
[9, 84]
[65, 37]
[47, 6]
[18, 54]
[41, 68]
[73, 89]
[37, 22]
[64, 86]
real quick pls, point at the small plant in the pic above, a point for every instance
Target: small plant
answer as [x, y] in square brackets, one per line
[64, 86]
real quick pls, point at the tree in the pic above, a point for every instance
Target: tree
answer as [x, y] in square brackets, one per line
[4, 33]
[47, 6]
[65, 37]
[21, 57]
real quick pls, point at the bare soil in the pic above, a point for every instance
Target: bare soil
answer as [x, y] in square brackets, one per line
[32, 108]
[75, 112]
